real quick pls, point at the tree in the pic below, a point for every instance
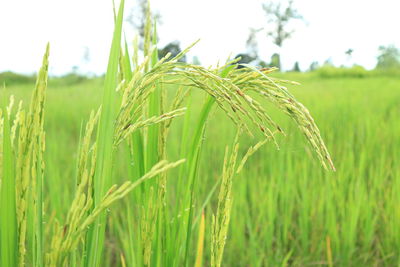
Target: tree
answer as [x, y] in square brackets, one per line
[275, 61]
[313, 66]
[349, 52]
[328, 62]
[244, 59]
[86, 55]
[281, 15]
[389, 57]
[296, 67]
[252, 50]
[137, 18]
[173, 48]
[251, 43]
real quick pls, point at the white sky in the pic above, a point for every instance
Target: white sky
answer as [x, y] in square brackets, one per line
[332, 27]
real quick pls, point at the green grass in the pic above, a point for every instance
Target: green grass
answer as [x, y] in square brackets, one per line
[282, 209]
[284, 202]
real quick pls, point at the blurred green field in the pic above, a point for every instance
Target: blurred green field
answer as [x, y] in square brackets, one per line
[287, 210]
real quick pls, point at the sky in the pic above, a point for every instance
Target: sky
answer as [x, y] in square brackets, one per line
[330, 27]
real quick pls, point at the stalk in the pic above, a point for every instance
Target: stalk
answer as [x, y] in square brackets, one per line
[8, 215]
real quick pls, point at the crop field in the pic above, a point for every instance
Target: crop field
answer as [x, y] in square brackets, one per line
[286, 207]
[179, 167]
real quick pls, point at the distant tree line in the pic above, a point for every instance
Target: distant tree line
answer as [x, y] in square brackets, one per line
[279, 14]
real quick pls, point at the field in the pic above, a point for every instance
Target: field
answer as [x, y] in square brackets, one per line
[286, 208]
[165, 163]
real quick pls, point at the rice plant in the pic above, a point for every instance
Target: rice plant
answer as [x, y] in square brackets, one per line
[135, 119]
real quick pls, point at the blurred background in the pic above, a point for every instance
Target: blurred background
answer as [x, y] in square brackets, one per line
[293, 35]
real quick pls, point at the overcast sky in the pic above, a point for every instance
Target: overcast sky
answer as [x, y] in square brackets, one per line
[330, 28]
